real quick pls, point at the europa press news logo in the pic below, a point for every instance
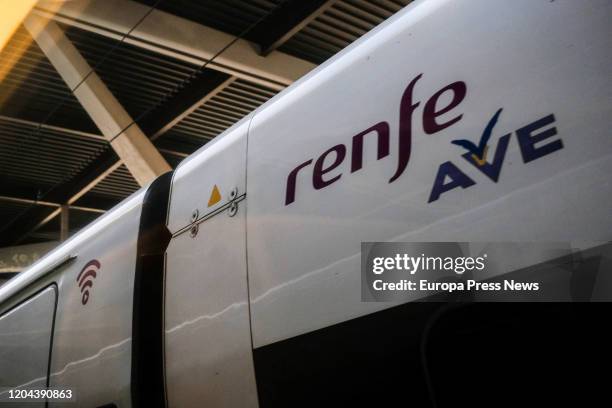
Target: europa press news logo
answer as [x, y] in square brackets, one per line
[535, 140]
[86, 277]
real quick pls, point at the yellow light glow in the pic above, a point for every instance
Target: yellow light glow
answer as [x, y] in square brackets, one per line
[12, 13]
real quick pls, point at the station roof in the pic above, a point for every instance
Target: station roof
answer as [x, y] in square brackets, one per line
[52, 153]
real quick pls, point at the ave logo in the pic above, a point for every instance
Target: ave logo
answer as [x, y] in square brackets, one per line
[533, 143]
[536, 140]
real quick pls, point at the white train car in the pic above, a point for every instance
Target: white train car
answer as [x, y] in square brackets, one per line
[235, 280]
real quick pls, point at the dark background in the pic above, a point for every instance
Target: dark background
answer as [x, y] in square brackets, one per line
[446, 355]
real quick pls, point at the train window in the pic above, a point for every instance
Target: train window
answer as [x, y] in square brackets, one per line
[26, 341]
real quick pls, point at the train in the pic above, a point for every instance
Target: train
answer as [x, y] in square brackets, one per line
[234, 280]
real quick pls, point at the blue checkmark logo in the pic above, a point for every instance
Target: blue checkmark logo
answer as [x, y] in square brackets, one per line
[479, 150]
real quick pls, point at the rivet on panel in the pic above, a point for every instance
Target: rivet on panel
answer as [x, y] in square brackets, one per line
[233, 209]
[233, 193]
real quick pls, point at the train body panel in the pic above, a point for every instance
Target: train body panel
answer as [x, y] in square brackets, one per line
[361, 151]
[203, 182]
[93, 322]
[207, 335]
[102, 320]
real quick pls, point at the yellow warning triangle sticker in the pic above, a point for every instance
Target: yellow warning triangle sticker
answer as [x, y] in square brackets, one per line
[215, 196]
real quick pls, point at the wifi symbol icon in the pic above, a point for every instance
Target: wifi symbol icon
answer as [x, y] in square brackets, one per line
[86, 278]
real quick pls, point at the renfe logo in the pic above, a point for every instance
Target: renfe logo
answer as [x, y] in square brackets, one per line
[527, 136]
[86, 277]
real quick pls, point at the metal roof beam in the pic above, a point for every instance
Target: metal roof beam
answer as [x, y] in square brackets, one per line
[282, 24]
[22, 200]
[69, 192]
[133, 147]
[31, 194]
[77, 133]
[180, 38]
[51, 128]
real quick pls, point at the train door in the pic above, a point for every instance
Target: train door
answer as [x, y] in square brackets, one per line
[208, 353]
[27, 332]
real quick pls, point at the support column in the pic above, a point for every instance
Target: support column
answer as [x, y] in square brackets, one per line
[129, 142]
[64, 222]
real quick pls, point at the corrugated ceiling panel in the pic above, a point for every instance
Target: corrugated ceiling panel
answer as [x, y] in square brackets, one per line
[43, 156]
[33, 90]
[119, 183]
[338, 26]
[223, 110]
[230, 16]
